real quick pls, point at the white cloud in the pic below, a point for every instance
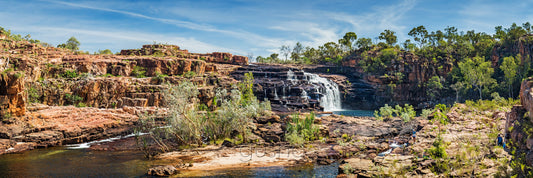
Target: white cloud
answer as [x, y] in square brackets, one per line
[241, 34]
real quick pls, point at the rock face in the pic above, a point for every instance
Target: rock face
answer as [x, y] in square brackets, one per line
[55, 77]
[12, 95]
[173, 50]
[522, 46]
[526, 95]
[52, 126]
[408, 88]
[518, 124]
[292, 88]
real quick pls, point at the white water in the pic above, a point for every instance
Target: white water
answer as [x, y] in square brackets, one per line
[331, 98]
[291, 77]
[88, 144]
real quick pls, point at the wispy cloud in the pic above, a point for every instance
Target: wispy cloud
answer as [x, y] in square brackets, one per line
[381, 18]
[241, 34]
[126, 38]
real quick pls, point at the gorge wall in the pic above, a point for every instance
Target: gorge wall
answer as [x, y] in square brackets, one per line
[301, 88]
[519, 126]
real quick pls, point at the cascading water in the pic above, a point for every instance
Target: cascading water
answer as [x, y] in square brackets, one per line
[331, 98]
[324, 90]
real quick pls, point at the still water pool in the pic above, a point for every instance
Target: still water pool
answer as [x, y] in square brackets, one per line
[63, 162]
[361, 113]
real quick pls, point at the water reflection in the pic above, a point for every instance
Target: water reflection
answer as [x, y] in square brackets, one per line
[62, 162]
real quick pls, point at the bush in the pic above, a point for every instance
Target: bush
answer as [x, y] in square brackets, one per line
[69, 74]
[385, 111]
[440, 114]
[73, 99]
[189, 74]
[187, 125]
[138, 72]
[33, 95]
[426, 112]
[299, 129]
[406, 113]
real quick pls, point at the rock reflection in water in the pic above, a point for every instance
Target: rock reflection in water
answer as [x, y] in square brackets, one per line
[62, 162]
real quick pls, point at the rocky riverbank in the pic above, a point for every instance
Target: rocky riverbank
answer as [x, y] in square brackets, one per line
[367, 147]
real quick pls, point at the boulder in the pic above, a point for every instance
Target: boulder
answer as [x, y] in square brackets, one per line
[357, 166]
[165, 170]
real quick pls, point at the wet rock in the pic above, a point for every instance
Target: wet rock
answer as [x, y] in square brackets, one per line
[166, 170]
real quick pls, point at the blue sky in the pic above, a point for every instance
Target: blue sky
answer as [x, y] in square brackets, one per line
[245, 27]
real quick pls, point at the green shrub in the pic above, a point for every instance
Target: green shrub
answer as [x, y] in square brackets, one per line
[302, 129]
[406, 113]
[186, 125]
[69, 74]
[73, 99]
[33, 95]
[81, 105]
[138, 72]
[189, 74]
[426, 113]
[385, 111]
[440, 114]
[160, 77]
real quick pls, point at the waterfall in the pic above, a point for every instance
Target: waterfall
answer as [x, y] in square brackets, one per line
[291, 77]
[331, 99]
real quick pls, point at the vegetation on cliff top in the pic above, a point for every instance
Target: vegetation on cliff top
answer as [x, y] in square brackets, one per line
[463, 62]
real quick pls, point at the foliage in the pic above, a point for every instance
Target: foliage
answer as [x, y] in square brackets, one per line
[246, 88]
[509, 67]
[384, 112]
[389, 36]
[477, 73]
[406, 113]
[70, 74]
[189, 74]
[301, 130]
[186, 124]
[497, 103]
[33, 95]
[438, 152]
[138, 72]
[425, 113]
[434, 86]
[72, 44]
[73, 98]
[105, 51]
[440, 112]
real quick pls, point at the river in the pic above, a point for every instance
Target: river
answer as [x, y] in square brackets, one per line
[64, 162]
